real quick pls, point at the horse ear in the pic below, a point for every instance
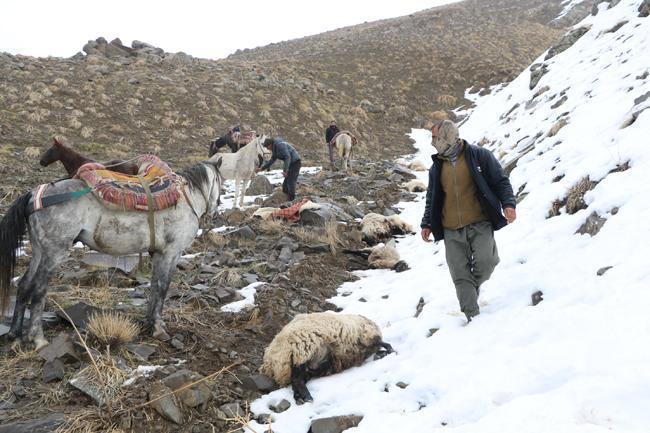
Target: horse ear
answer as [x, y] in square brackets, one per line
[218, 163]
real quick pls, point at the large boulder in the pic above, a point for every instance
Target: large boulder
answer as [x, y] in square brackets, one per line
[260, 185]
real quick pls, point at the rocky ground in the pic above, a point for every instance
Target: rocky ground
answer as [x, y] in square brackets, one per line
[294, 269]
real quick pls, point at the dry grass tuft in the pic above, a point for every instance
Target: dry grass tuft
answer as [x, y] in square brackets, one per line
[309, 235]
[229, 277]
[88, 420]
[272, 226]
[217, 240]
[332, 235]
[112, 328]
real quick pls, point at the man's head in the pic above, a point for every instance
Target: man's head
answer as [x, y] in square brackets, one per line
[333, 123]
[444, 135]
[268, 143]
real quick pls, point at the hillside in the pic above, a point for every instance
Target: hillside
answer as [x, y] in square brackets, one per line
[377, 79]
[576, 146]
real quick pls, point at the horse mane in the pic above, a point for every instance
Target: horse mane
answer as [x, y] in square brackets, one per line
[196, 175]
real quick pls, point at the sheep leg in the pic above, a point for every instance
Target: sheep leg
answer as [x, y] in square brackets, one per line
[298, 384]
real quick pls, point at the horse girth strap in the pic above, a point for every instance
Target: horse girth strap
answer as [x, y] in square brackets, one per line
[150, 215]
[189, 203]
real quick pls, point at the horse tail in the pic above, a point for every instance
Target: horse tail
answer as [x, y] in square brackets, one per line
[12, 231]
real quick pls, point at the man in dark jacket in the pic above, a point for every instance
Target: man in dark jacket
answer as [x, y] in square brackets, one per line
[330, 132]
[468, 191]
[282, 150]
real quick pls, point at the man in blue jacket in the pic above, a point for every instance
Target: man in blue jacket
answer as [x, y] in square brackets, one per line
[282, 150]
[469, 197]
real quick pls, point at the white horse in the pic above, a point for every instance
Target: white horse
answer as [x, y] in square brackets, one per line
[344, 147]
[240, 166]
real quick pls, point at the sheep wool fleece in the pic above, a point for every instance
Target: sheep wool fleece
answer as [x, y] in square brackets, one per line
[312, 338]
[472, 255]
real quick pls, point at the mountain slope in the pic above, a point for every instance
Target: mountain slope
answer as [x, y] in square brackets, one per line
[578, 361]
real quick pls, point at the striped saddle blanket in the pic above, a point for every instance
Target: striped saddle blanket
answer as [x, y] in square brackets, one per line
[123, 192]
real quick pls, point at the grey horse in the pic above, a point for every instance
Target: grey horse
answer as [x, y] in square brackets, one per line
[53, 230]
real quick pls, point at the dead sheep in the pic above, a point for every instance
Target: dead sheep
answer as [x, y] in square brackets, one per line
[415, 186]
[320, 344]
[417, 166]
[376, 227]
[385, 256]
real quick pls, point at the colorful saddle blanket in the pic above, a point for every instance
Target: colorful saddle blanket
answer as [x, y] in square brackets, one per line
[124, 192]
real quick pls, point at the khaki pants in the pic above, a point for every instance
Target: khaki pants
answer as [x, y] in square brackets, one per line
[472, 255]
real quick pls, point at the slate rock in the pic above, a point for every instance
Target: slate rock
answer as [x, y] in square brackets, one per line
[260, 185]
[243, 233]
[600, 272]
[141, 351]
[89, 387]
[80, 313]
[46, 424]
[259, 382]
[4, 329]
[567, 41]
[126, 264]
[592, 225]
[61, 348]
[53, 371]
[334, 424]
[537, 297]
[165, 406]
[282, 406]
[231, 410]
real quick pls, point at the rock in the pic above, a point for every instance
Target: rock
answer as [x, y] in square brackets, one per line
[259, 382]
[334, 424]
[4, 329]
[165, 406]
[537, 297]
[46, 424]
[19, 391]
[401, 385]
[231, 410]
[178, 59]
[315, 248]
[200, 287]
[537, 71]
[53, 371]
[285, 255]
[567, 41]
[184, 265]
[250, 278]
[61, 348]
[260, 185]
[243, 233]
[177, 344]
[208, 269]
[286, 241]
[644, 9]
[234, 216]
[79, 313]
[225, 295]
[316, 217]
[592, 225]
[264, 418]
[193, 396]
[88, 386]
[281, 407]
[126, 264]
[141, 351]
[600, 272]
[275, 199]
[401, 266]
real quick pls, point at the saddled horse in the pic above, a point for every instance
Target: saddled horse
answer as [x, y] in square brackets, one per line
[240, 166]
[54, 229]
[72, 160]
[234, 140]
[343, 141]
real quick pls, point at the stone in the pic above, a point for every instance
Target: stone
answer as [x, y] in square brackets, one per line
[282, 406]
[165, 406]
[285, 255]
[286, 241]
[644, 9]
[79, 313]
[402, 385]
[53, 371]
[208, 269]
[4, 329]
[316, 217]
[243, 233]
[567, 41]
[200, 287]
[226, 295]
[61, 348]
[264, 418]
[180, 378]
[88, 386]
[537, 71]
[537, 297]
[231, 410]
[46, 424]
[259, 382]
[260, 185]
[592, 225]
[177, 344]
[600, 272]
[141, 351]
[126, 264]
[250, 278]
[234, 216]
[334, 424]
[197, 395]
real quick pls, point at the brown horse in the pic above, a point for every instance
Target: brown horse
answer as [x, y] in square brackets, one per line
[72, 160]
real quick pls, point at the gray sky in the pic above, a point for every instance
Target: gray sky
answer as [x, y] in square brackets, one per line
[211, 29]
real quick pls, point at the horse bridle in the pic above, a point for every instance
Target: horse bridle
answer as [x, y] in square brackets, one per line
[206, 199]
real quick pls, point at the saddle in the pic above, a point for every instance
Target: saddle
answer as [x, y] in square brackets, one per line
[243, 138]
[155, 187]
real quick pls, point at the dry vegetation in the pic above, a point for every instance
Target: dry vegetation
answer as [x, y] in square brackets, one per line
[112, 329]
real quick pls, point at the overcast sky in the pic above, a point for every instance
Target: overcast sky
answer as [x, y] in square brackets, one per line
[210, 29]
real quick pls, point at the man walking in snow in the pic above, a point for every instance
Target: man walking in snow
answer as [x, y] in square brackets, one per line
[469, 197]
[282, 150]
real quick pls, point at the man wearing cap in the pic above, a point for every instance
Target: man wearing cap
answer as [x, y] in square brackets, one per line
[282, 150]
[330, 132]
[469, 197]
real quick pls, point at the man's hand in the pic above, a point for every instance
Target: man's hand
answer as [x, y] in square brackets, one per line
[425, 233]
[510, 214]
[285, 173]
[257, 170]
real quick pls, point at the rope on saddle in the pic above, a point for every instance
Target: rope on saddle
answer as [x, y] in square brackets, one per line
[150, 215]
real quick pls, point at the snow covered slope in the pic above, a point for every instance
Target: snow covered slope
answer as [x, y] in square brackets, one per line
[580, 360]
